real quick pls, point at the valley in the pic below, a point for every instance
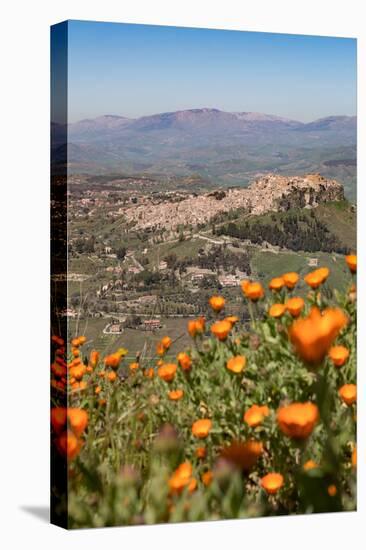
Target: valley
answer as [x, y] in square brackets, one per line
[145, 257]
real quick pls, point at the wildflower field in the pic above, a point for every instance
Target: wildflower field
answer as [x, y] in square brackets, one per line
[253, 419]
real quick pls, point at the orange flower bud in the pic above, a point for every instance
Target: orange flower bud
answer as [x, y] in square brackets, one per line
[184, 361]
[201, 428]
[295, 306]
[196, 326]
[351, 261]
[236, 364]
[277, 310]
[167, 372]
[253, 291]
[272, 483]
[112, 376]
[290, 279]
[276, 284]
[255, 415]
[175, 395]
[348, 394]
[339, 355]
[221, 329]
[217, 303]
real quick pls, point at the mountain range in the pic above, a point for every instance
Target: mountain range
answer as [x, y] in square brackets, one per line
[229, 147]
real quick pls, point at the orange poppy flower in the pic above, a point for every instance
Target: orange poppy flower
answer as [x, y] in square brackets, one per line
[68, 444]
[75, 362]
[242, 454]
[75, 342]
[149, 373]
[78, 372]
[94, 358]
[113, 360]
[112, 376]
[196, 326]
[76, 352]
[58, 418]
[351, 260]
[332, 490]
[180, 478]
[244, 285]
[310, 465]
[201, 452]
[233, 319]
[236, 364]
[89, 369]
[348, 393]
[175, 395]
[254, 291]
[133, 366]
[315, 278]
[298, 419]
[272, 483]
[97, 390]
[82, 340]
[277, 310]
[201, 428]
[276, 284]
[163, 345]
[207, 478]
[313, 335]
[290, 279]
[167, 372]
[255, 415]
[295, 306]
[221, 329]
[184, 361]
[339, 355]
[217, 303]
[78, 420]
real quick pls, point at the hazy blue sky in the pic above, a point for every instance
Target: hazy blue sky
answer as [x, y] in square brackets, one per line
[135, 70]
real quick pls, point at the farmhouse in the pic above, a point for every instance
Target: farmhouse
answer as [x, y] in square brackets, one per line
[151, 324]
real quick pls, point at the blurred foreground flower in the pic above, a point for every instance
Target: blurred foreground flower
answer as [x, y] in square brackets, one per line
[242, 454]
[313, 335]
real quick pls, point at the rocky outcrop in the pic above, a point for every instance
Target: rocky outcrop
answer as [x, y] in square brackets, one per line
[269, 193]
[280, 193]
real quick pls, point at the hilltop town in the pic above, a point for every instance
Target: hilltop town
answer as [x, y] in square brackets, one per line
[269, 193]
